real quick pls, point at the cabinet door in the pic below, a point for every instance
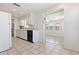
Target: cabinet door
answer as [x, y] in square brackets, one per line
[35, 35]
[30, 19]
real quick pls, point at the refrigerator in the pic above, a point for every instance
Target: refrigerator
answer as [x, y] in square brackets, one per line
[5, 31]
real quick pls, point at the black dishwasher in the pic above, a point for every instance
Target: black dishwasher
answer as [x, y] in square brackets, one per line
[30, 36]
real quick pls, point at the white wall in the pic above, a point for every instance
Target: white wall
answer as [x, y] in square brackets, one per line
[71, 40]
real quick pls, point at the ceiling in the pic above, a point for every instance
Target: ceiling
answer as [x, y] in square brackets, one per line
[25, 8]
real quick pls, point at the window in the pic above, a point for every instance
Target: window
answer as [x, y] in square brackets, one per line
[54, 21]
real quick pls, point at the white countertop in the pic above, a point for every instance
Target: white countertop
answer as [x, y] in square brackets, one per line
[28, 29]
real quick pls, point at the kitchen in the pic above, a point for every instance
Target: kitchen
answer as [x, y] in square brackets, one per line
[29, 24]
[27, 29]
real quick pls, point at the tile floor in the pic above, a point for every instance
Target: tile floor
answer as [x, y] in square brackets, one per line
[52, 47]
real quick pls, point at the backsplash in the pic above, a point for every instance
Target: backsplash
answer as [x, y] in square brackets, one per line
[28, 27]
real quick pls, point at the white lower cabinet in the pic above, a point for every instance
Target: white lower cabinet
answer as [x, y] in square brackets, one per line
[35, 35]
[23, 34]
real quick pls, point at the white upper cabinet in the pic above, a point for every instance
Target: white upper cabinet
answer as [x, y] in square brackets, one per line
[30, 19]
[23, 22]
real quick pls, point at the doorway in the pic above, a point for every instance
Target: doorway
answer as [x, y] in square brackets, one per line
[12, 29]
[54, 27]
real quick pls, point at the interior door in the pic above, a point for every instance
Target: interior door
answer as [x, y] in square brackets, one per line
[4, 31]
